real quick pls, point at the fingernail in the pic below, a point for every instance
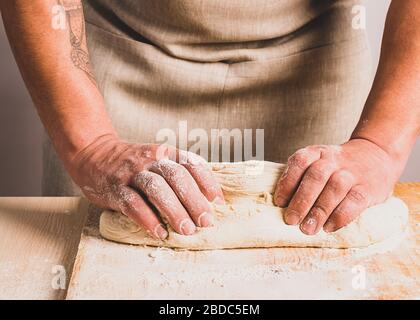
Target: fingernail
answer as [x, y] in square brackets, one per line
[160, 232]
[219, 200]
[309, 226]
[292, 217]
[187, 227]
[205, 220]
[329, 227]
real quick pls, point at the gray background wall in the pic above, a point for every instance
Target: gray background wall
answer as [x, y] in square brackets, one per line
[21, 130]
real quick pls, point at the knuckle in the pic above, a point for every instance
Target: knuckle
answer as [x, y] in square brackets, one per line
[358, 196]
[191, 158]
[317, 173]
[148, 181]
[341, 180]
[131, 161]
[114, 179]
[300, 204]
[299, 159]
[328, 151]
[155, 182]
[172, 170]
[143, 176]
[179, 169]
[340, 211]
[320, 211]
[146, 151]
[116, 176]
[126, 201]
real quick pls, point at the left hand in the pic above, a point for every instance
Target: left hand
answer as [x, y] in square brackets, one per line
[329, 186]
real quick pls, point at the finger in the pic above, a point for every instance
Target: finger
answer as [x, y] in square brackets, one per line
[333, 193]
[289, 181]
[187, 190]
[313, 182]
[160, 194]
[131, 204]
[350, 208]
[200, 171]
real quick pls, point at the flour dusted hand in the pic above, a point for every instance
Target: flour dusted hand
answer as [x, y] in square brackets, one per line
[145, 180]
[329, 186]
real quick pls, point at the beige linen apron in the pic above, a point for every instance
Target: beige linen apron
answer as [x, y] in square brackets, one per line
[295, 68]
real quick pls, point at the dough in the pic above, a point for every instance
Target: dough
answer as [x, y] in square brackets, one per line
[249, 219]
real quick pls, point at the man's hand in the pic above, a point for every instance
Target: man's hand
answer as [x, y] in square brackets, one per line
[329, 186]
[136, 179]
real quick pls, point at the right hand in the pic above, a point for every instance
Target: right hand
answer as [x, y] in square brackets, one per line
[141, 179]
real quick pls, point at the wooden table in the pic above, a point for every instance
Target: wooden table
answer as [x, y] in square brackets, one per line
[36, 235]
[39, 242]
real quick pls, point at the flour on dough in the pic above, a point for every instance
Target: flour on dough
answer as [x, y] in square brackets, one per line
[249, 219]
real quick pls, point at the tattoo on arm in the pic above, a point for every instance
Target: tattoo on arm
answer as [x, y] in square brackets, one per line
[76, 23]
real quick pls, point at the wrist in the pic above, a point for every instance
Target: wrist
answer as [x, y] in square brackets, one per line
[75, 124]
[397, 147]
[69, 147]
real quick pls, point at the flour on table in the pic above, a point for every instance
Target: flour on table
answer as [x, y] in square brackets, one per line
[249, 218]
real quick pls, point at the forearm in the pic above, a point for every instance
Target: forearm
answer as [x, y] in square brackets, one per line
[391, 117]
[55, 66]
